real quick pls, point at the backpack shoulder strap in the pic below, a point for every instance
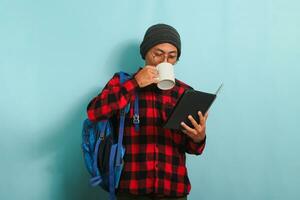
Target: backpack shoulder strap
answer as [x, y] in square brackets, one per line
[124, 76]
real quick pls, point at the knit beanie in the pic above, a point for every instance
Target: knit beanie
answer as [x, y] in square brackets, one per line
[158, 34]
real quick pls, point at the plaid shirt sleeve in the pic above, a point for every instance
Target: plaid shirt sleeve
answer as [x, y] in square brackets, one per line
[114, 97]
[193, 147]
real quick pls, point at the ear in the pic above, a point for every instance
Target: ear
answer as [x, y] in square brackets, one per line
[149, 59]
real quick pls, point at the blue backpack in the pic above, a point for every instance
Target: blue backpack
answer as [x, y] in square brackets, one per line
[102, 147]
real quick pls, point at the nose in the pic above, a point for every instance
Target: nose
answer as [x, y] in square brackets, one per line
[165, 58]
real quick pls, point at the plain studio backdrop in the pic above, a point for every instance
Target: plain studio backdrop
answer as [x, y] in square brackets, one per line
[56, 55]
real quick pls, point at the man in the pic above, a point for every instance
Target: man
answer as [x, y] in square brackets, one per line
[155, 157]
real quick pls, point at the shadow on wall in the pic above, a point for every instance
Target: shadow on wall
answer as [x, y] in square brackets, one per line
[62, 144]
[62, 140]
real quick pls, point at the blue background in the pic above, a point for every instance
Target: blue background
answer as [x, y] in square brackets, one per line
[56, 55]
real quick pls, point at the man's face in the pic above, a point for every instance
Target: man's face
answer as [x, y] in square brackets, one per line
[164, 52]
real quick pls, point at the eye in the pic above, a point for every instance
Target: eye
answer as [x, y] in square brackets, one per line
[158, 54]
[173, 57]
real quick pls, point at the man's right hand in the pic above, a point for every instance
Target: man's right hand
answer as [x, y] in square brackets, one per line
[147, 76]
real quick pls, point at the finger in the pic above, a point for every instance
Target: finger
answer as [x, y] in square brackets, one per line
[189, 129]
[201, 118]
[193, 121]
[191, 135]
[150, 67]
[155, 79]
[206, 115]
[154, 71]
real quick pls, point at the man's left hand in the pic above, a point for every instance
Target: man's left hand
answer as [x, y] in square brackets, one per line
[197, 134]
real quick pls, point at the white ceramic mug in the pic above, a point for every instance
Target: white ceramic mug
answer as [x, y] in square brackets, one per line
[166, 76]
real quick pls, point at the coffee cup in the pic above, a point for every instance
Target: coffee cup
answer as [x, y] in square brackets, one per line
[166, 76]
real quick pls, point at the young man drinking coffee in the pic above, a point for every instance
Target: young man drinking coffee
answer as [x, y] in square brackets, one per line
[154, 162]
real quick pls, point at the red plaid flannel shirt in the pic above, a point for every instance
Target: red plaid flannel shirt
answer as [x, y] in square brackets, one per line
[155, 157]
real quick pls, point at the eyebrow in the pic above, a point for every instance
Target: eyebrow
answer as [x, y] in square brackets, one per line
[157, 49]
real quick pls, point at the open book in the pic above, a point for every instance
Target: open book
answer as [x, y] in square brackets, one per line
[190, 102]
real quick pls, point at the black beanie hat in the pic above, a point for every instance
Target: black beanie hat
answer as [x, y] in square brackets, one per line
[158, 34]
